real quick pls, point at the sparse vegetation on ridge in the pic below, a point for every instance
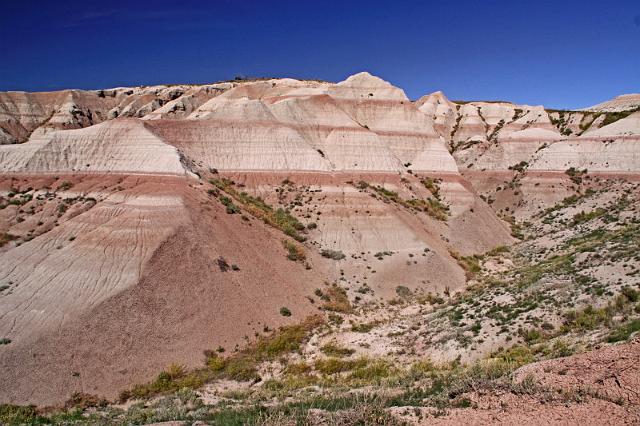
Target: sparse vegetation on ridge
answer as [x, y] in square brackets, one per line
[278, 218]
[432, 206]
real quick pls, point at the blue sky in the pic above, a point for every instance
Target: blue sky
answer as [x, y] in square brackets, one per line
[563, 54]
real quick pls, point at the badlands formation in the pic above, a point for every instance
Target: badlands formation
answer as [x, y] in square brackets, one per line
[143, 226]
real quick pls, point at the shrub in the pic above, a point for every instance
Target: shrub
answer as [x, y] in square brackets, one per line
[403, 291]
[279, 218]
[231, 208]
[215, 362]
[222, 264]
[436, 209]
[6, 238]
[17, 414]
[363, 327]
[432, 185]
[430, 299]
[336, 300]
[583, 217]
[612, 117]
[331, 366]
[170, 380]
[520, 167]
[295, 252]
[333, 350]
[241, 369]
[587, 318]
[575, 175]
[531, 336]
[84, 400]
[333, 254]
[372, 371]
[65, 185]
[516, 355]
[470, 264]
[624, 332]
[498, 250]
[631, 294]
[285, 312]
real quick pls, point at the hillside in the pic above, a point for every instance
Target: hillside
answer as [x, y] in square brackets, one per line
[279, 250]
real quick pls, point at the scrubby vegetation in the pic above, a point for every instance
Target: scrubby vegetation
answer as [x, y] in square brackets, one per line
[295, 252]
[575, 175]
[332, 254]
[571, 284]
[612, 117]
[470, 264]
[240, 366]
[433, 206]
[278, 218]
[520, 167]
[335, 299]
[5, 238]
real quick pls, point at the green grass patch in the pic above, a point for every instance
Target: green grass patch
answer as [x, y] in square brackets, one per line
[240, 366]
[624, 332]
[332, 349]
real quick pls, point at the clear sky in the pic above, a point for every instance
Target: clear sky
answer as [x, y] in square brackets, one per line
[563, 54]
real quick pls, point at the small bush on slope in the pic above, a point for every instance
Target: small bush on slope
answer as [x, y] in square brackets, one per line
[333, 254]
[294, 251]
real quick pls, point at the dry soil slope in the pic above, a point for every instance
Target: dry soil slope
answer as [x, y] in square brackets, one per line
[132, 284]
[115, 294]
[327, 135]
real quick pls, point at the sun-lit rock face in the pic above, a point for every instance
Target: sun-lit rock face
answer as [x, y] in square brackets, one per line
[619, 103]
[364, 86]
[441, 110]
[360, 124]
[614, 148]
[522, 159]
[501, 136]
[489, 135]
[117, 146]
[23, 113]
